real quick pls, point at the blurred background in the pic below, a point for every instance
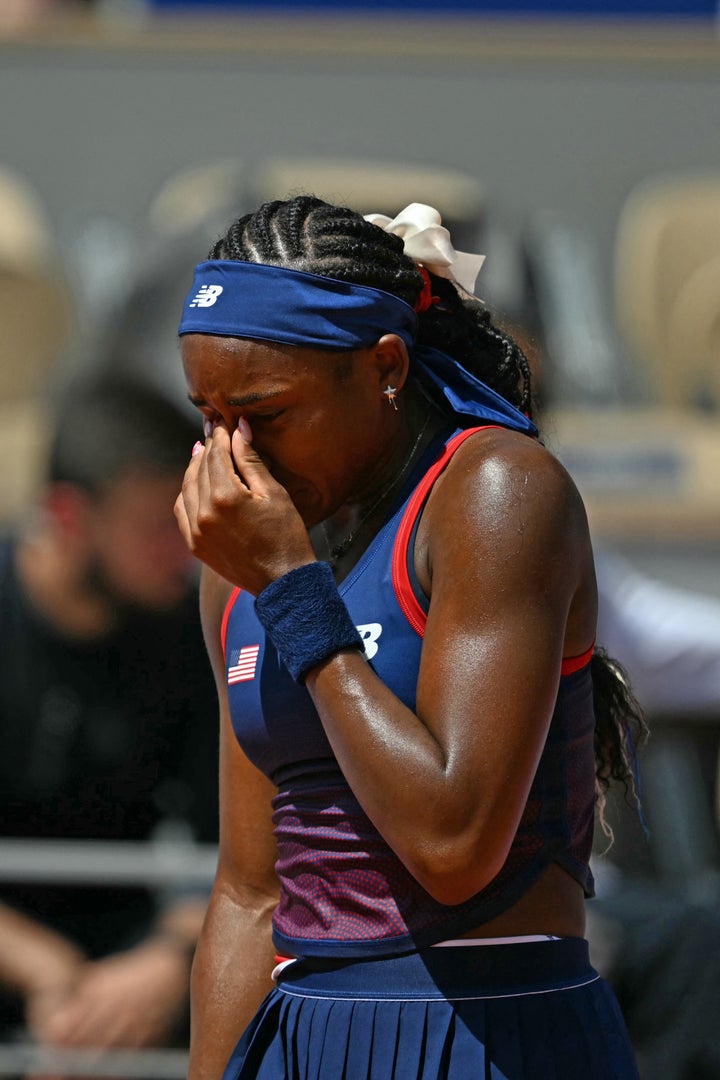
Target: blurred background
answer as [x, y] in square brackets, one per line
[577, 144]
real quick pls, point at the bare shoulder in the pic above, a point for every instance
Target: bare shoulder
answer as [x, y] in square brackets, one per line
[515, 462]
[507, 513]
[508, 478]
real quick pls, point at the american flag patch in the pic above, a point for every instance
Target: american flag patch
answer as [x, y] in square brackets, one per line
[243, 664]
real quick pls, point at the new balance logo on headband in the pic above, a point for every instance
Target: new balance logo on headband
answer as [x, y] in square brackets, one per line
[206, 296]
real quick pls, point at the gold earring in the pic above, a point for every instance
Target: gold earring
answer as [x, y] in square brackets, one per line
[390, 393]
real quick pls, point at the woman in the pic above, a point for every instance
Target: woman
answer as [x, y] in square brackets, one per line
[400, 607]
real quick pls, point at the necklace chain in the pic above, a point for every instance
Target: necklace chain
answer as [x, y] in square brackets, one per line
[337, 552]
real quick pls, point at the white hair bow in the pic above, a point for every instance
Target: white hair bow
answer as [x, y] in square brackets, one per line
[427, 242]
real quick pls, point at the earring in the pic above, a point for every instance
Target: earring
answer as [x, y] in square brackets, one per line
[390, 393]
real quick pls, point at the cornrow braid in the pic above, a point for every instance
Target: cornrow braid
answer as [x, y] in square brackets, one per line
[306, 233]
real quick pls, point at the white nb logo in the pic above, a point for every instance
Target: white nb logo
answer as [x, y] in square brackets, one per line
[206, 296]
[370, 632]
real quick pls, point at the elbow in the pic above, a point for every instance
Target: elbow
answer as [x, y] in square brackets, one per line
[453, 889]
[453, 874]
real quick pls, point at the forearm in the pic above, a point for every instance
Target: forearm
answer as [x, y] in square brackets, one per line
[230, 977]
[131, 998]
[400, 773]
[379, 742]
[33, 957]
[412, 770]
[447, 810]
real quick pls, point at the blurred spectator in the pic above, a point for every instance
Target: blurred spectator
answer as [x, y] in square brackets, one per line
[109, 714]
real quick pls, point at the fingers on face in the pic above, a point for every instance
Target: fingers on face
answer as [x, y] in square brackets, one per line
[210, 485]
[185, 508]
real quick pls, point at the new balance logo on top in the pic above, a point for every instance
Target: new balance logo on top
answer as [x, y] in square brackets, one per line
[370, 632]
[206, 296]
[244, 662]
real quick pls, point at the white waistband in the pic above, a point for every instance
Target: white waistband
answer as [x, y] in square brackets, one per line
[495, 940]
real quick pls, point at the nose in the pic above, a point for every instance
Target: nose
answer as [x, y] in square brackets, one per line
[224, 416]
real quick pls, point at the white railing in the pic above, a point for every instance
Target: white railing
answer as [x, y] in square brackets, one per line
[102, 862]
[90, 862]
[23, 1059]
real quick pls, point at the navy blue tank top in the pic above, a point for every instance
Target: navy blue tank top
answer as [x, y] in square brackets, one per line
[343, 891]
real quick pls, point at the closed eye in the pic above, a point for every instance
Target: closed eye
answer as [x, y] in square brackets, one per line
[267, 417]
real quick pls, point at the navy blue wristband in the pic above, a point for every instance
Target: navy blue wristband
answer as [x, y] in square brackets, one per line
[306, 619]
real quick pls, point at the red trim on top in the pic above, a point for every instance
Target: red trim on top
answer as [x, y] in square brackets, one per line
[226, 617]
[572, 664]
[404, 593]
[406, 598]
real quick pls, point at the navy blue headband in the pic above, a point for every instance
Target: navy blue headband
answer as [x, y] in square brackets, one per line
[230, 298]
[270, 303]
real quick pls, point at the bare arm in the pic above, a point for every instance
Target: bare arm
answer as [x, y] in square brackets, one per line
[234, 958]
[504, 552]
[506, 558]
[34, 958]
[130, 998]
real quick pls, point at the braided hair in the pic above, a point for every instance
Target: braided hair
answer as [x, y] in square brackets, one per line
[305, 233]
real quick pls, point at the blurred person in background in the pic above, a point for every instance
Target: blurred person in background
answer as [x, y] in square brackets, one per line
[107, 706]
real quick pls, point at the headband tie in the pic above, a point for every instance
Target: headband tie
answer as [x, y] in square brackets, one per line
[230, 298]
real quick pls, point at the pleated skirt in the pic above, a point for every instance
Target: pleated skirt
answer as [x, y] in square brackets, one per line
[521, 1011]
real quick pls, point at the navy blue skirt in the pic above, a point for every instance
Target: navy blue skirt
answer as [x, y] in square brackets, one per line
[525, 1011]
